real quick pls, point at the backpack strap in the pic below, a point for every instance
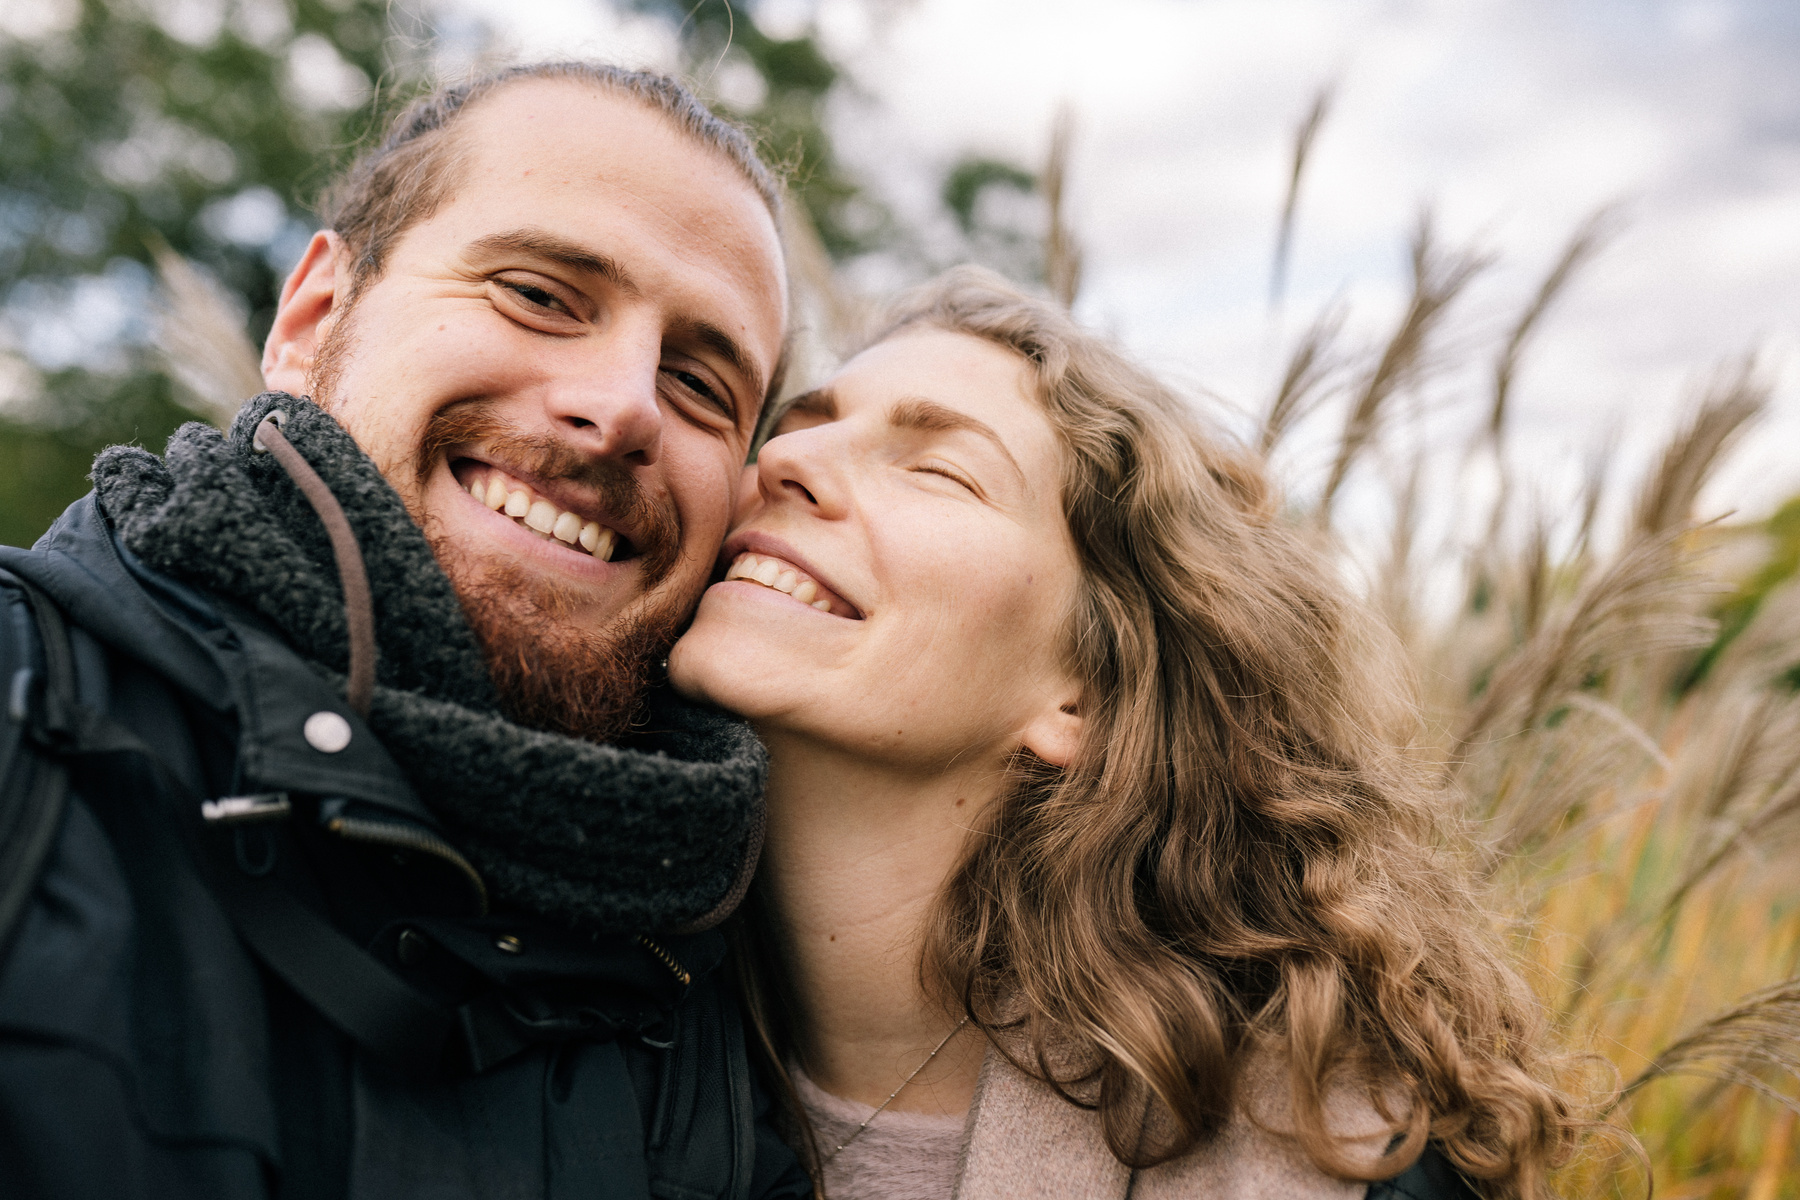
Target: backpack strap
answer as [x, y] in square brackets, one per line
[34, 789]
[347, 985]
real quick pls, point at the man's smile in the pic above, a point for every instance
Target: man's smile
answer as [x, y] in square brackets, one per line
[578, 526]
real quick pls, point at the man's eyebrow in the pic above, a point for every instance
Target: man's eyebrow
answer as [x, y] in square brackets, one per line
[928, 416]
[714, 338]
[546, 245]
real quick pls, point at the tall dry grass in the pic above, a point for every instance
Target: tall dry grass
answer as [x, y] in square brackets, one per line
[1628, 767]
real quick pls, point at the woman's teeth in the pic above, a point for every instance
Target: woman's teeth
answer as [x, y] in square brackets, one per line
[517, 502]
[772, 572]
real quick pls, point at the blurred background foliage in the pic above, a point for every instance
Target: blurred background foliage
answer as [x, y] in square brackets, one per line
[125, 127]
[206, 128]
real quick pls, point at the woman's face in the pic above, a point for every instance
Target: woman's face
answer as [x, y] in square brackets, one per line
[900, 575]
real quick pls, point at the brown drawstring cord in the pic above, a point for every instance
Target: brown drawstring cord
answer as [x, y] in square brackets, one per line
[359, 606]
[746, 872]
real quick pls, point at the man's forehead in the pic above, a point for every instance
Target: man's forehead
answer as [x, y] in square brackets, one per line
[533, 125]
[589, 154]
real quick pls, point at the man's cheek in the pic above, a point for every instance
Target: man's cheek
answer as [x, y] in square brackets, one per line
[749, 494]
[706, 505]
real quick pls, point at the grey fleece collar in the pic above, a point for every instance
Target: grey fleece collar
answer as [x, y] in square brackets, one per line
[591, 836]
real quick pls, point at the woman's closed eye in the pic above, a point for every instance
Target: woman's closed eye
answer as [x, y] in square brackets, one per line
[933, 466]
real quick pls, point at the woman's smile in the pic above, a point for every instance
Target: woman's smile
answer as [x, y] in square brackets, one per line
[911, 503]
[773, 565]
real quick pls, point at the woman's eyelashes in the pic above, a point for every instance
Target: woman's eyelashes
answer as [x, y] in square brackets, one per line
[946, 471]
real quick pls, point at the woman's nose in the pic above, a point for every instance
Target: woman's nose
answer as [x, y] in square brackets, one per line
[802, 467]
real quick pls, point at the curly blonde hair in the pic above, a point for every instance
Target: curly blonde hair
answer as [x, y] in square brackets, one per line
[1242, 857]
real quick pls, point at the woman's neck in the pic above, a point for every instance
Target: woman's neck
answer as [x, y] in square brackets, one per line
[856, 855]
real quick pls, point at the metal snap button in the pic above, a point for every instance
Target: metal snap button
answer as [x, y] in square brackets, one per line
[411, 947]
[509, 943]
[327, 732]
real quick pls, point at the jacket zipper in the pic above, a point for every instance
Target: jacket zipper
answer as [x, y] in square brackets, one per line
[666, 959]
[407, 837]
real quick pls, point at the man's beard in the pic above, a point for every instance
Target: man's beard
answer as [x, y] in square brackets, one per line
[550, 672]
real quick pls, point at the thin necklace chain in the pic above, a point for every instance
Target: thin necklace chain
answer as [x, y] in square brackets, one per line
[897, 1091]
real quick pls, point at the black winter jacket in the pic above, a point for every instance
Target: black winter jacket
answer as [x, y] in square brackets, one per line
[146, 1052]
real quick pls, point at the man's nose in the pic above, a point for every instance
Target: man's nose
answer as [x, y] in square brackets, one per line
[608, 404]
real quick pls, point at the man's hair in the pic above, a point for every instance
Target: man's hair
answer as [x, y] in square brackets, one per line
[404, 178]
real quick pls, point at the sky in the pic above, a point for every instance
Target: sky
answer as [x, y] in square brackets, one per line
[1510, 120]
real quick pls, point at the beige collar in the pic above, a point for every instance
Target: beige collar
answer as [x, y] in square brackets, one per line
[1024, 1142]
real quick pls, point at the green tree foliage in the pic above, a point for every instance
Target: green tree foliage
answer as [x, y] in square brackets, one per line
[1779, 569]
[203, 127]
[973, 176]
[984, 195]
[791, 83]
[785, 105]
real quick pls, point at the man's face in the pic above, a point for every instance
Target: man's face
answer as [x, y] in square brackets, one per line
[559, 370]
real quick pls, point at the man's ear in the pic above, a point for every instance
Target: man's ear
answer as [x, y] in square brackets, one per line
[1055, 733]
[309, 302]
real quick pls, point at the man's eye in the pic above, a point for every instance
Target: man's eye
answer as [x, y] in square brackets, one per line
[698, 386]
[533, 295]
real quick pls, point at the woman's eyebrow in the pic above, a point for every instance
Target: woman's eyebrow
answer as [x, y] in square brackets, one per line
[928, 416]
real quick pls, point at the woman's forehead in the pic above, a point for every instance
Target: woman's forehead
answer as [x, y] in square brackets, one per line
[934, 371]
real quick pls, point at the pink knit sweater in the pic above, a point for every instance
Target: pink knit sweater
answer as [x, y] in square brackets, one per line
[900, 1156]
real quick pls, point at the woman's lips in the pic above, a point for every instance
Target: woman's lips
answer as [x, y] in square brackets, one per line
[772, 571]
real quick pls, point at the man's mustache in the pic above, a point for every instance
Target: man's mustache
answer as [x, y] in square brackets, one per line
[655, 526]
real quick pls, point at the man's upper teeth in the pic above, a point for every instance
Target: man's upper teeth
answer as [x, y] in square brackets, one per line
[517, 502]
[783, 577]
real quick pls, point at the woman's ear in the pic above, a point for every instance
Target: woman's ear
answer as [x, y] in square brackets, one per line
[1055, 733]
[309, 302]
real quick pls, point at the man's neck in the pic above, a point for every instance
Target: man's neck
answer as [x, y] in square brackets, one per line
[856, 856]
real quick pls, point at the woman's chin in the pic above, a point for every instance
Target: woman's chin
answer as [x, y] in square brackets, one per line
[693, 671]
[743, 654]
[710, 665]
